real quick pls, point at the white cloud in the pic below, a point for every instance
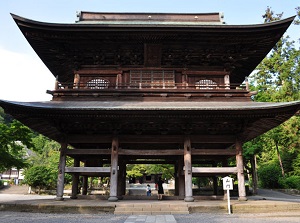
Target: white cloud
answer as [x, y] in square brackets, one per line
[24, 77]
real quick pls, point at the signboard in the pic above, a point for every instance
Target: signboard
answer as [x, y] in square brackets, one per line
[227, 183]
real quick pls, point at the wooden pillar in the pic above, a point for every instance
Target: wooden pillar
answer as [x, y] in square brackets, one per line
[215, 181]
[75, 181]
[61, 172]
[114, 170]
[181, 183]
[84, 185]
[188, 170]
[240, 170]
[176, 174]
[121, 179]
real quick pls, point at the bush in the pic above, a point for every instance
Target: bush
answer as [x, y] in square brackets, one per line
[269, 175]
[292, 182]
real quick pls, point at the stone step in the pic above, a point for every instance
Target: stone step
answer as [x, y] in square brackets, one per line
[151, 209]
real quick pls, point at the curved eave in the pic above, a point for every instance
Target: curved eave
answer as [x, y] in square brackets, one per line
[257, 117]
[60, 45]
[24, 22]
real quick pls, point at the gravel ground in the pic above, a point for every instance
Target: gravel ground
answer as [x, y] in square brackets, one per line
[23, 217]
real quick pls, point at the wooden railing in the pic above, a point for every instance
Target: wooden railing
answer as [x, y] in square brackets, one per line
[103, 86]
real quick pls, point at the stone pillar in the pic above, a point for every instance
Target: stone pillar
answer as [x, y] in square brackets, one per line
[240, 170]
[114, 170]
[181, 183]
[61, 172]
[75, 181]
[188, 170]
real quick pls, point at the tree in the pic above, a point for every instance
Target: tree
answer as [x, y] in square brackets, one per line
[15, 141]
[44, 159]
[277, 79]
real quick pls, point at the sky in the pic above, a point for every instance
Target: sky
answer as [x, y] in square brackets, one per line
[24, 77]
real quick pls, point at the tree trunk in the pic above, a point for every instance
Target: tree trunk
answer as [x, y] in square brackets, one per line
[279, 158]
[254, 174]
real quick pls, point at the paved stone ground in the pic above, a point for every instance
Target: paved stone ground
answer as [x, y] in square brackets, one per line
[150, 219]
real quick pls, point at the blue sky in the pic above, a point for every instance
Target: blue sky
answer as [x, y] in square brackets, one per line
[25, 78]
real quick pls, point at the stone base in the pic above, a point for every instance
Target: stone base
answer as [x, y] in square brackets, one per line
[113, 199]
[242, 198]
[189, 199]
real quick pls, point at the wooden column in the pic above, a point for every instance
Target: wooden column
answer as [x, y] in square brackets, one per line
[240, 170]
[176, 173]
[84, 185]
[84, 182]
[75, 181]
[121, 179]
[181, 183]
[188, 170]
[61, 172]
[114, 170]
[215, 181]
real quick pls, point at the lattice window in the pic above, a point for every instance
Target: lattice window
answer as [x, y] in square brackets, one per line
[98, 84]
[153, 78]
[205, 84]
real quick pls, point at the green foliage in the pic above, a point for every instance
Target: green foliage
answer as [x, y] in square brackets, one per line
[296, 165]
[46, 157]
[39, 177]
[269, 175]
[166, 170]
[138, 170]
[15, 140]
[292, 182]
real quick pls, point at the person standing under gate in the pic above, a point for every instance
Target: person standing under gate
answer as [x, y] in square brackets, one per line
[160, 188]
[148, 189]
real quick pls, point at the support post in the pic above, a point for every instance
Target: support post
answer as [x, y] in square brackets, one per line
[114, 170]
[61, 173]
[240, 170]
[121, 179]
[188, 170]
[181, 180]
[75, 181]
[84, 185]
[215, 181]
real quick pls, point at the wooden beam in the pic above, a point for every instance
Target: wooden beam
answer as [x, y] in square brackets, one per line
[158, 152]
[97, 138]
[88, 152]
[87, 169]
[168, 152]
[214, 152]
[214, 169]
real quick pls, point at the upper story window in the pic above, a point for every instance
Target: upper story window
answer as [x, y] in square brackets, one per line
[205, 84]
[153, 78]
[98, 83]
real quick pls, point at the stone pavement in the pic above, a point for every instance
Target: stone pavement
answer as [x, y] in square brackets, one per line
[267, 201]
[150, 219]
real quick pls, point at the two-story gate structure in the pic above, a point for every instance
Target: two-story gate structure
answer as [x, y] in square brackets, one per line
[171, 88]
